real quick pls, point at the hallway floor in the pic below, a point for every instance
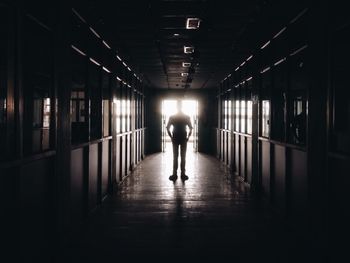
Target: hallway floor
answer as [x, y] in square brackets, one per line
[209, 216]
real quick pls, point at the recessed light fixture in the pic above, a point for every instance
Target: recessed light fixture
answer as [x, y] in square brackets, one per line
[188, 49]
[193, 23]
[176, 34]
[184, 74]
[186, 64]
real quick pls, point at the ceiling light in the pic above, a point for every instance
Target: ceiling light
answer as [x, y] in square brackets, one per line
[106, 44]
[266, 44]
[176, 35]
[188, 50]
[186, 64]
[184, 74]
[193, 23]
[95, 62]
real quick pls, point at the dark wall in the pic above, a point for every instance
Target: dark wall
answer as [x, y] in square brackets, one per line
[299, 63]
[206, 123]
[59, 161]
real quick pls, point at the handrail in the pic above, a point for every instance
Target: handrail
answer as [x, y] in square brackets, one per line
[27, 159]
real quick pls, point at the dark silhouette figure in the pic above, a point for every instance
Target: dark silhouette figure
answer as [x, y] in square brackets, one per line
[179, 137]
[298, 126]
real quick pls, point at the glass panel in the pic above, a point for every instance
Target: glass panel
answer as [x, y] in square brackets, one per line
[123, 116]
[265, 104]
[249, 116]
[118, 116]
[297, 97]
[128, 115]
[265, 125]
[243, 116]
[225, 119]
[237, 115]
[94, 83]
[81, 112]
[249, 107]
[78, 120]
[3, 81]
[105, 103]
[229, 115]
[37, 85]
[340, 83]
[279, 102]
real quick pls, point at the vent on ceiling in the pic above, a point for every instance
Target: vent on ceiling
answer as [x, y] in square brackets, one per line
[186, 64]
[184, 74]
[193, 23]
[188, 50]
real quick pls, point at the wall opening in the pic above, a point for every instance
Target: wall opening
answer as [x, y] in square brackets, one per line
[190, 108]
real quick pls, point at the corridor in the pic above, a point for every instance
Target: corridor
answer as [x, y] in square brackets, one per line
[92, 91]
[210, 216]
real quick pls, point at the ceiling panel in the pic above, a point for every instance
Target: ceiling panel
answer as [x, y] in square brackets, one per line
[151, 34]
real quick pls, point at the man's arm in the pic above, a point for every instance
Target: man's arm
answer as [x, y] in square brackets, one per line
[191, 128]
[168, 128]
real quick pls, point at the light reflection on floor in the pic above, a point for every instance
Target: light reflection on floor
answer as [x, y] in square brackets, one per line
[208, 180]
[209, 214]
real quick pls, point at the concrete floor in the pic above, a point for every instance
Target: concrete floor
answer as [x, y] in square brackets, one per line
[212, 216]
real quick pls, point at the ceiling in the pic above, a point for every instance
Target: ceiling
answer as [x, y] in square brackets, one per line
[151, 36]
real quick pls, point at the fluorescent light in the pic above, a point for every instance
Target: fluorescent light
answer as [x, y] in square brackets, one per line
[78, 50]
[94, 32]
[95, 62]
[106, 69]
[78, 15]
[186, 64]
[266, 44]
[264, 70]
[279, 62]
[188, 49]
[119, 58]
[298, 50]
[280, 32]
[193, 23]
[184, 74]
[105, 43]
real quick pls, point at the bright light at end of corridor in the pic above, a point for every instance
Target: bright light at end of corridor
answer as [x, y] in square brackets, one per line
[189, 107]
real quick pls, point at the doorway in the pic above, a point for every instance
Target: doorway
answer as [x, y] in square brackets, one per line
[190, 108]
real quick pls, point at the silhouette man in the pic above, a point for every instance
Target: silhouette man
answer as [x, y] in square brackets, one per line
[298, 126]
[179, 137]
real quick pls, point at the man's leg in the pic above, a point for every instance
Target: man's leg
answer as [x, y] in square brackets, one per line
[175, 157]
[183, 157]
